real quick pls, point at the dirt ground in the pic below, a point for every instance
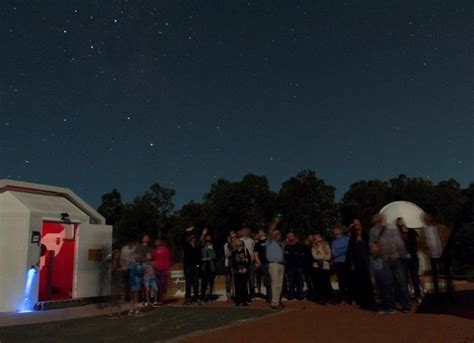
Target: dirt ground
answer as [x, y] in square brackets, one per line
[159, 325]
[308, 322]
[436, 320]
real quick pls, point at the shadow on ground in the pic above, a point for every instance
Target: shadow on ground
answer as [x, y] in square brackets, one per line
[459, 304]
[156, 326]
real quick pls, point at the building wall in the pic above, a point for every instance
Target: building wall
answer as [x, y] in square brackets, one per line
[14, 240]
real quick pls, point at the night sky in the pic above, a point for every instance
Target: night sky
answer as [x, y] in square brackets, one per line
[102, 94]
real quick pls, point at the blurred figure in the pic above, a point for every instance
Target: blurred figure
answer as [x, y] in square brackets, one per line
[163, 262]
[435, 248]
[144, 248]
[150, 282]
[261, 262]
[276, 266]
[125, 259]
[308, 266]
[192, 261]
[117, 285]
[135, 272]
[294, 262]
[358, 259]
[244, 235]
[322, 289]
[228, 248]
[208, 270]
[410, 238]
[339, 250]
[240, 263]
[388, 252]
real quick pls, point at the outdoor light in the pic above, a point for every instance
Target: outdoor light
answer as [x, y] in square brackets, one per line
[30, 275]
[65, 217]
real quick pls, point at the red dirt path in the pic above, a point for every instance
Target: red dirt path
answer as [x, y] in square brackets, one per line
[308, 322]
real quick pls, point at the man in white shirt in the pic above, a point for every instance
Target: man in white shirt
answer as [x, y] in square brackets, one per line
[244, 235]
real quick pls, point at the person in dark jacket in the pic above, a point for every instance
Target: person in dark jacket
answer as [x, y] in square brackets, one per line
[208, 271]
[358, 259]
[192, 262]
[294, 262]
[240, 264]
[410, 238]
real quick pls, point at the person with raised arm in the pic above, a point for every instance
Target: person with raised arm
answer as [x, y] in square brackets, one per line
[276, 265]
[192, 261]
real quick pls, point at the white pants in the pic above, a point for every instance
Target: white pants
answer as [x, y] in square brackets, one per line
[277, 272]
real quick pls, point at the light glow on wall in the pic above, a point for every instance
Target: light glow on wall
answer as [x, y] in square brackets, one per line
[30, 275]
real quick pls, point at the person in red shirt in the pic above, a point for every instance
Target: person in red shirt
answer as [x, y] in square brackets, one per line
[163, 262]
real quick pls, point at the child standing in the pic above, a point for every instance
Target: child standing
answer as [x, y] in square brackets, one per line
[136, 272]
[150, 282]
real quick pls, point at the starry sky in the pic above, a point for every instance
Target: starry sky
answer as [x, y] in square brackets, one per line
[102, 94]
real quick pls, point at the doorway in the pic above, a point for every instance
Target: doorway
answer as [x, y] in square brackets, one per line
[58, 245]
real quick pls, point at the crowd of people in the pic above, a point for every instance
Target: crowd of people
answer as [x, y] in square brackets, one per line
[375, 269]
[141, 273]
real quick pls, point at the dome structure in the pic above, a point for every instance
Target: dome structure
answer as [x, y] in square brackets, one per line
[409, 211]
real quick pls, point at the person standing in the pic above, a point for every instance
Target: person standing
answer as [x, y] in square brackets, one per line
[322, 288]
[308, 266]
[228, 248]
[276, 267]
[125, 259]
[249, 242]
[261, 262]
[192, 261]
[410, 238]
[339, 251]
[163, 262]
[150, 282]
[208, 271]
[358, 259]
[241, 261]
[435, 248]
[136, 272]
[388, 251]
[294, 262]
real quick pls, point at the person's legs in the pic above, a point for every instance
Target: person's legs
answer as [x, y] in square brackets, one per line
[314, 279]
[384, 280]
[228, 282]
[195, 280]
[268, 282]
[188, 280]
[309, 283]
[328, 291]
[299, 283]
[276, 279]
[154, 289]
[339, 268]
[434, 263]
[251, 278]
[398, 268]
[204, 283]
[290, 277]
[413, 267]
[212, 277]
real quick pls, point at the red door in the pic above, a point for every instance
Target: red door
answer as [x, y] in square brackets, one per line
[57, 261]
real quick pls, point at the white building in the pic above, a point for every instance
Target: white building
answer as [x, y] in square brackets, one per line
[52, 246]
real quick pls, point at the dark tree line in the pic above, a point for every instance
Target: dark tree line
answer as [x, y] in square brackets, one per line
[306, 203]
